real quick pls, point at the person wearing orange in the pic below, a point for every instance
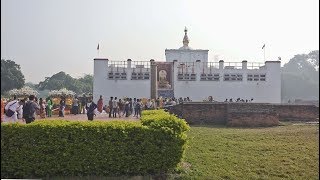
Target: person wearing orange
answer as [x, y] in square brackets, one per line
[100, 104]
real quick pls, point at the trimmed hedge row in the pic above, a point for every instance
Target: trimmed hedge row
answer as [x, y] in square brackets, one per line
[72, 148]
[160, 119]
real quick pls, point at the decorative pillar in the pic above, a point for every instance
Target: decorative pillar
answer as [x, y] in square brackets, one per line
[129, 69]
[221, 62]
[154, 88]
[129, 63]
[244, 64]
[198, 70]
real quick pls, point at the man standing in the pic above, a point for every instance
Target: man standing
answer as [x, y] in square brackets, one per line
[114, 107]
[90, 107]
[135, 106]
[29, 110]
[110, 106]
[83, 104]
[75, 105]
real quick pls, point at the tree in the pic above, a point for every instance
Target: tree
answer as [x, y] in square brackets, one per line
[63, 80]
[11, 76]
[300, 77]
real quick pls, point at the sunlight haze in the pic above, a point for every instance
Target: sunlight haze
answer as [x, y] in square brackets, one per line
[48, 36]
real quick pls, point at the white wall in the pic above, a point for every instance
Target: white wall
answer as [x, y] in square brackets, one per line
[117, 88]
[268, 91]
[186, 55]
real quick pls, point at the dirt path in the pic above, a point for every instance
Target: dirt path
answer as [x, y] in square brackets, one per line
[83, 117]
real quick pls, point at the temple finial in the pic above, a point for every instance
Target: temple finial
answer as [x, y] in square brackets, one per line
[185, 38]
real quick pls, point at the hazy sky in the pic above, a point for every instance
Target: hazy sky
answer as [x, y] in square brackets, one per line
[49, 36]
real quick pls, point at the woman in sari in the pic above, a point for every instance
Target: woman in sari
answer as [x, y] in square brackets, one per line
[100, 104]
[49, 107]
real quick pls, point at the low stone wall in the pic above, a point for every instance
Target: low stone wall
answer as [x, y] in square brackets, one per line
[243, 114]
[253, 119]
[251, 115]
[298, 112]
[201, 113]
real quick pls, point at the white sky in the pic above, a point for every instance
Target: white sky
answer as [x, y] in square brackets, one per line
[49, 36]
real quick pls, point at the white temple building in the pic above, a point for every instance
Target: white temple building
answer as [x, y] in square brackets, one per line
[187, 73]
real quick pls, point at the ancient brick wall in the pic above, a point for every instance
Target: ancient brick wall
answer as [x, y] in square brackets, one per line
[297, 112]
[251, 115]
[244, 114]
[201, 113]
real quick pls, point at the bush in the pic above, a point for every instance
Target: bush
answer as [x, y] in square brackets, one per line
[160, 119]
[73, 148]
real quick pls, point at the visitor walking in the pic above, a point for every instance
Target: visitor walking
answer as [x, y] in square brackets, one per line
[120, 108]
[110, 106]
[62, 108]
[135, 106]
[100, 104]
[49, 107]
[75, 104]
[11, 109]
[127, 107]
[114, 107]
[42, 108]
[30, 109]
[138, 109]
[91, 107]
[83, 104]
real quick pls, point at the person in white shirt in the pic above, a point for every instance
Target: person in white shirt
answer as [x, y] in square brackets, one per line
[11, 110]
[149, 104]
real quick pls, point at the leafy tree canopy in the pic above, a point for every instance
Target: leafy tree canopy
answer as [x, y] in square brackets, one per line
[63, 80]
[11, 76]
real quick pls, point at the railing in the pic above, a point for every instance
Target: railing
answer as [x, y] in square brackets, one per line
[255, 65]
[140, 64]
[209, 67]
[186, 67]
[121, 66]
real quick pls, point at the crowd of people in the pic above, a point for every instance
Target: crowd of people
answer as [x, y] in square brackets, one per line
[25, 109]
[239, 100]
[29, 109]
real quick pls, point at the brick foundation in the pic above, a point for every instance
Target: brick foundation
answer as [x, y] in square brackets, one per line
[243, 114]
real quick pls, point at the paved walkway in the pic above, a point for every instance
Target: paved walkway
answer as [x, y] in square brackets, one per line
[83, 117]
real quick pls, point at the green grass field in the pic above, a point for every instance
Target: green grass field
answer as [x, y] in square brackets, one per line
[283, 152]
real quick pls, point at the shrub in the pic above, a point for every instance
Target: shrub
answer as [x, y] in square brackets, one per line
[160, 119]
[73, 148]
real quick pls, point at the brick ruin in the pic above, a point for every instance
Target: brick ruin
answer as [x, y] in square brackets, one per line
[243, 114]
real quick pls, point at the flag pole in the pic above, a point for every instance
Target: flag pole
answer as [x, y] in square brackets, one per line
[264, 54]
[98, 49]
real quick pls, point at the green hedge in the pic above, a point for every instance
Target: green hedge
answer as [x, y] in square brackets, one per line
[160, 119]
[72, 148]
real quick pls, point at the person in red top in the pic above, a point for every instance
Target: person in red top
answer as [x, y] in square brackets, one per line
[100, 104]
[2, 109]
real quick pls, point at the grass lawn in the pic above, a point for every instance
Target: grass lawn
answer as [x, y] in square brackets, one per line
[283, 152]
